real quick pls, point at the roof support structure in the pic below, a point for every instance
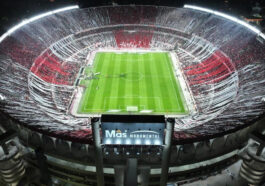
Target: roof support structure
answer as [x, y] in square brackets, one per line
[98, 151]
[166, 152]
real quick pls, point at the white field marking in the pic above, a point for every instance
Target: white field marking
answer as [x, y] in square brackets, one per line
[76, 103]
[179, 74]
[124, 107]
[132, 108]
[157, 76]
[146, 111]
[80, 93]
[142, 87]
[157, 100]
[91, 61]
[89, 91]
[172, 58]
[114, 110]
[172, 82]
[129, 50]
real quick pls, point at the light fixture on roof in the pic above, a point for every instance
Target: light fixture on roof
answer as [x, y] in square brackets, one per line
[147, 142]
[2, 97]
[118, 141]
[108, 141]
[157, 142]
[138, 142]
[26, 21]
[128, 142]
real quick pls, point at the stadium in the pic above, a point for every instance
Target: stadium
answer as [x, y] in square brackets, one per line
[127, 95]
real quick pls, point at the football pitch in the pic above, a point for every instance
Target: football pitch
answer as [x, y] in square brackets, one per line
[131, 83]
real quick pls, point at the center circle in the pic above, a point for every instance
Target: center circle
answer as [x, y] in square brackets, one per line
[132, 76]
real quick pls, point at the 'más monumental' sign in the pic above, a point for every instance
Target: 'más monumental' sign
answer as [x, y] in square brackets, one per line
[115, 133]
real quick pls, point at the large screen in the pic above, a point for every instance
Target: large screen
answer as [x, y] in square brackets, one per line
[117, 133]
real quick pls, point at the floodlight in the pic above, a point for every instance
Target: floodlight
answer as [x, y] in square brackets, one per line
[26, 21]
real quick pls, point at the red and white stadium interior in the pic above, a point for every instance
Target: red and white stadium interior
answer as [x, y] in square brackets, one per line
[221, 57]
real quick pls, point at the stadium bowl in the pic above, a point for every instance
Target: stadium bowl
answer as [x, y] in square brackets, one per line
[222, 62]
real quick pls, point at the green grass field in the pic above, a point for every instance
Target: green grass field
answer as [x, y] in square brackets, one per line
[138, 83]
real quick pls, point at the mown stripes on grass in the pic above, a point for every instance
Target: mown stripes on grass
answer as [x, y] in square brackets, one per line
[145, 80]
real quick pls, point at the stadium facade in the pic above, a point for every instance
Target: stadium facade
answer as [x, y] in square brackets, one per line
[220, 60]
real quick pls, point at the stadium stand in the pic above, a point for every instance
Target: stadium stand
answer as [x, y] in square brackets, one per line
[133, 39]
[50, 69]
[212, 70]
[220, 60]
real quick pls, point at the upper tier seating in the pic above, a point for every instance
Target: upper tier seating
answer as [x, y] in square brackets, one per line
[51, 69]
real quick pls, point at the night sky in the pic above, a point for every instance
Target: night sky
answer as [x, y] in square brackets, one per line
[13, 11]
